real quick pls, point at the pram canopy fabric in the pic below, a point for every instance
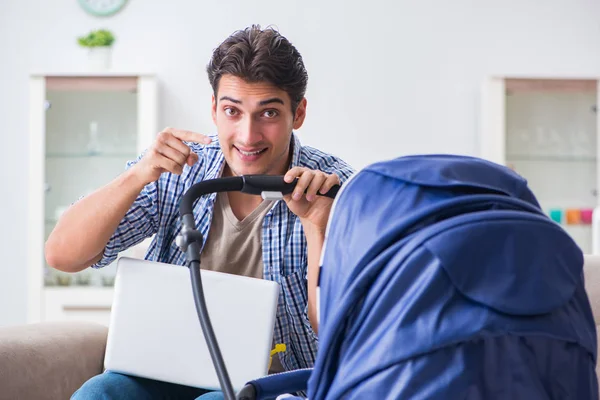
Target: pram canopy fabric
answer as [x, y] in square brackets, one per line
[442, 278]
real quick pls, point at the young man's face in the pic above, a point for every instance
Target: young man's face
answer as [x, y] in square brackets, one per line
[254, 123]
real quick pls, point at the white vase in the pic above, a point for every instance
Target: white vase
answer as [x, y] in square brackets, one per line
[99, 58]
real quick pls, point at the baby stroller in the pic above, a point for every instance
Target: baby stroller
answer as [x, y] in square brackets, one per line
[441, 278]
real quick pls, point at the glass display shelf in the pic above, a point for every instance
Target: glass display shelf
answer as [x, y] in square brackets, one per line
[93, 155]
[550, 157]
[54, 278]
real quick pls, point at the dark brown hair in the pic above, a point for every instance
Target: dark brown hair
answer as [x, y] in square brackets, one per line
[257, 55]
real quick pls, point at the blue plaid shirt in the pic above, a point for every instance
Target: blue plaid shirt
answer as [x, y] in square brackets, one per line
[156, 212]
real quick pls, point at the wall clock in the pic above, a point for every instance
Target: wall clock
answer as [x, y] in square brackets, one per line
[102, 8]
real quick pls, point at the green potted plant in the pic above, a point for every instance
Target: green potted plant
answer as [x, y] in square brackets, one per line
[99, 42]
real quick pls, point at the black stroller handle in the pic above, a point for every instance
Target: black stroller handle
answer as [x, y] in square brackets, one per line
[252, 184]
[190, 240]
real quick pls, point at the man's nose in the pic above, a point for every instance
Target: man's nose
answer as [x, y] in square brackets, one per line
[249, 131]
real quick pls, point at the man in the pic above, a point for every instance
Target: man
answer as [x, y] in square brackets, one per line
[259, 81]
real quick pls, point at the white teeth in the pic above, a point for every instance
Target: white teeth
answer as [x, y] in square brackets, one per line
[246, 153]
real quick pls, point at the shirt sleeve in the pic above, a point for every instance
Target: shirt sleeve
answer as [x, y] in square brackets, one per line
[343, 171]
[305, 318]
[139, 223]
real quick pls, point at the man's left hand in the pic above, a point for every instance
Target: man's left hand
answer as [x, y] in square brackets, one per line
[312, 210]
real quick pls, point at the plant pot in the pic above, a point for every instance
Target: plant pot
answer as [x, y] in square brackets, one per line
[63, 279]
[108, 280]
[99, 58]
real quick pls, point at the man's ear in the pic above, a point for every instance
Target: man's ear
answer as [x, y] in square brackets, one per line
[300, 114]
[214, 109]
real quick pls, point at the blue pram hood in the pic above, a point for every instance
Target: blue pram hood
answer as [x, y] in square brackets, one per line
[442, 278]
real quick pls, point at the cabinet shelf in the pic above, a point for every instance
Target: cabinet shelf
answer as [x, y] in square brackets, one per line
[83, 129]
[87, 155]
[546, 129]
[77, 288]
[559, 158]
[74, 286]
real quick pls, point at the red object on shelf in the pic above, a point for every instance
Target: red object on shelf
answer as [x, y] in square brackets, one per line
[586, 215]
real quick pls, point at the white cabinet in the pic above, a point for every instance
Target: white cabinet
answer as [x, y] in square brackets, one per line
[77, 303]
[83, 130]
[547, 131]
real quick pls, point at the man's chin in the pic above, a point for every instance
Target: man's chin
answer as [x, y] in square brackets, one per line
[238, 170]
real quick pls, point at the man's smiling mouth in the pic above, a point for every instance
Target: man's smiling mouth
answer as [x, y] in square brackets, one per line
[250, 153]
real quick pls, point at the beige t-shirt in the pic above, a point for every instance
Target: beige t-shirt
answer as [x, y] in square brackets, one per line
[235, 247]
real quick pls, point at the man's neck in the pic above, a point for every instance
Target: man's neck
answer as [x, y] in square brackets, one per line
[242, 204]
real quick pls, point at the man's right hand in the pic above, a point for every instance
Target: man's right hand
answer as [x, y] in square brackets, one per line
[168, 153]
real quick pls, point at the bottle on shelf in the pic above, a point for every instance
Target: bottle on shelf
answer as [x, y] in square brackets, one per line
[93, 146]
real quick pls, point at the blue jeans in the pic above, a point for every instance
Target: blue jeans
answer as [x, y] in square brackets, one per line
[114, 386]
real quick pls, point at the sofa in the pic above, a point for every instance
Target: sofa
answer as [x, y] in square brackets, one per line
[51, 360]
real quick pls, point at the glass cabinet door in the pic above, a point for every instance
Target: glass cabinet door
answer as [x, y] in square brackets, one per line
[90, 134]
[551, 140]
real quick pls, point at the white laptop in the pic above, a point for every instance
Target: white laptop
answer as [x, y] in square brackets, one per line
[155, 332]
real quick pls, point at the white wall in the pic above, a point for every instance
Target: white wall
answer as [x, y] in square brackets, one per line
[387, 78]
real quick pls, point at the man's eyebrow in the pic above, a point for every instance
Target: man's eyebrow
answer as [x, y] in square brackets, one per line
[271, 100]
[261, 103]
[230, 99]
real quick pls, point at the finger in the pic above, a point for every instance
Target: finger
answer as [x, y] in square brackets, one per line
[287, 198]
[171, 153]
[303, 183]
[318, 180]
[171, 166]
[293, 173]
[177, 144]
[166, 140]
[172, 141]
[192, 159]
[331, 181]
[189, 136]
[166, 163]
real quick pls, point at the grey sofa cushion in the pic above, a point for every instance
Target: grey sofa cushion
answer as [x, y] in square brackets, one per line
[49, 360]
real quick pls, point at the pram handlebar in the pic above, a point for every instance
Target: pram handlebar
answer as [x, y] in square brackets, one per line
[190, 241]
[251, 184]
